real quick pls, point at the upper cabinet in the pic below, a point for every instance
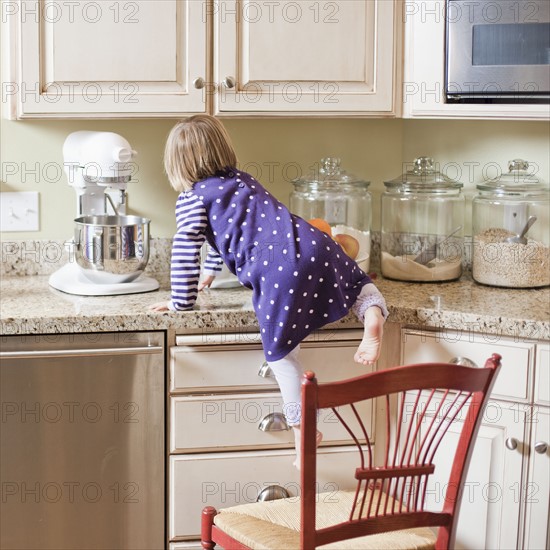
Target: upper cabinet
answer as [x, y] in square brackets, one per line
[311, 56]
[85, 59]
[424, 59]
[168, 58]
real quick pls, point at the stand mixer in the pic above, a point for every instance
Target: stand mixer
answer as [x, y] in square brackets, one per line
[110, 250]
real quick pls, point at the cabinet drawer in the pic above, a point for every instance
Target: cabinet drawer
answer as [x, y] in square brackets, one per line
[513, 381]
[232, 362]
[227, 479]
[195, 369]
[230, 422]
[542, 375]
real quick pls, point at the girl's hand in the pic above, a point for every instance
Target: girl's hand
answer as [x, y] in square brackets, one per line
[159, 306]
[206, 282]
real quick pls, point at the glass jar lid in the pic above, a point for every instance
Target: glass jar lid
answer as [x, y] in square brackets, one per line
[517, 181]
[329, 176]
[423, 176]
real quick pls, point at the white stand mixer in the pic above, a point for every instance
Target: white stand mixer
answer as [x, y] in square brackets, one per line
[98, 165]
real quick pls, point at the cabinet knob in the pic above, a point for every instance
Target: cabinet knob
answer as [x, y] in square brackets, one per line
[229, 82]
[541, 447]
[273, 422]
[511, 443]
[265, 371]
[199, 83]
[272, 492]
[463, 361]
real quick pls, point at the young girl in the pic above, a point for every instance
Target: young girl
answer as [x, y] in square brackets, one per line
[301, 279]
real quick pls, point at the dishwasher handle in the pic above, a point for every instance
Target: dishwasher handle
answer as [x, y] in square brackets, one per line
[142, 350]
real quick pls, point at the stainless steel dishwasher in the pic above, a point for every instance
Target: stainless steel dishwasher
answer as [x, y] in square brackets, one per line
[82, 441]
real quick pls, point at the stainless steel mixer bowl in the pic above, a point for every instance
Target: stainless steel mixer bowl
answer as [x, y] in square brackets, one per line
[111, 249]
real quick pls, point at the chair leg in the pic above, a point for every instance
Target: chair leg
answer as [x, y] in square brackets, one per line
[207, 520]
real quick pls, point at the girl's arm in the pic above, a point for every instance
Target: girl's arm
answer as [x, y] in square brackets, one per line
[191, 223]
[213, 262]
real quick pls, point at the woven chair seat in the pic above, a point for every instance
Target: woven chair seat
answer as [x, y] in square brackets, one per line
[276, 524]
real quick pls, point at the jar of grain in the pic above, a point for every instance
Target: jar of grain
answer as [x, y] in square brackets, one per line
[500, 212]
[422, 225]
[338, 198]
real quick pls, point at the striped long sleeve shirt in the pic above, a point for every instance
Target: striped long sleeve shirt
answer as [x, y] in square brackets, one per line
[191, 223]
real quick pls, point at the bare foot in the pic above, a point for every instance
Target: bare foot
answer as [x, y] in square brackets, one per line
[369, 348]
[298, 444]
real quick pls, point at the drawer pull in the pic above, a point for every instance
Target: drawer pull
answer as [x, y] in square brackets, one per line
[272, 492]
[541, 447]
[463, 361]
[511, 443]
[273, 422]
[265, 371]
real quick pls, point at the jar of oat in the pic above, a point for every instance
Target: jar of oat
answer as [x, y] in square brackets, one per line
[422, 225]
[339, 203]
[501, 212]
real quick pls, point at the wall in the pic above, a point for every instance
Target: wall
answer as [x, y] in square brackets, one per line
[473, 151]
[275, 150]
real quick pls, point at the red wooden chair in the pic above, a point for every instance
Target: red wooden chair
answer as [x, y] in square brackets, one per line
[388, 508]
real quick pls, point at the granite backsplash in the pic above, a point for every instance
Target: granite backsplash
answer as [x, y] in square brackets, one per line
[43, 257]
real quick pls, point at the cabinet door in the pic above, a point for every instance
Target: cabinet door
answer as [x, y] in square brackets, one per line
[423, 82]
[537, 489]
[302, 57]
[107, 59]
[490, 511]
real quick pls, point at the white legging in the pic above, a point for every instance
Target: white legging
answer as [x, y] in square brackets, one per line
[288, 373]
[288, 370]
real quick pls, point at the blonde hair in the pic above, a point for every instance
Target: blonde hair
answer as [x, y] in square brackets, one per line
[197, 148]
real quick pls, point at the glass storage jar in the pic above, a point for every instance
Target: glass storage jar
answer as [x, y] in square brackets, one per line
[422, 225]
[339, 198]
[500, 212]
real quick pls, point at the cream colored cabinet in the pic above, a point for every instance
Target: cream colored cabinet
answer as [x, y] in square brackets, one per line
[424, 70]
[508, 478]
[105, 59]
[167, 58]
[312, 56]
[221, 392]
[494, 478]
[537, 489]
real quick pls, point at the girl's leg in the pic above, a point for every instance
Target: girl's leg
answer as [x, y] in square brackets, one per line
[288, 373]
[370, 309]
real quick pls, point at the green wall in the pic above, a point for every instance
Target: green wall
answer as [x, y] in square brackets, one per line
[274, 150]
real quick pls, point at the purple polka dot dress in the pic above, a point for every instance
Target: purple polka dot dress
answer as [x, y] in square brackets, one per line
[301, 279]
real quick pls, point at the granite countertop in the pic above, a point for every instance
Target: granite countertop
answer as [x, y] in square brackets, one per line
[29, 305]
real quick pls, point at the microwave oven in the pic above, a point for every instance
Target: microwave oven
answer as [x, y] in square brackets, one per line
[497, 51]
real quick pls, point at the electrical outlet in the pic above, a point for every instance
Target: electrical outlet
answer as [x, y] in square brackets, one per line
[19, 211]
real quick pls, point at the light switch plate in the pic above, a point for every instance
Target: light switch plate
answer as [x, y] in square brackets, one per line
[19, 211]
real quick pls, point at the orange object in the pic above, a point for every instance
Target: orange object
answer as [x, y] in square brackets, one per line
[322, 225]
[348, 243]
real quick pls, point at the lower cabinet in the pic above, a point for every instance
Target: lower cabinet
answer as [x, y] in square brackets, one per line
[505, 502]
[221, 392]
